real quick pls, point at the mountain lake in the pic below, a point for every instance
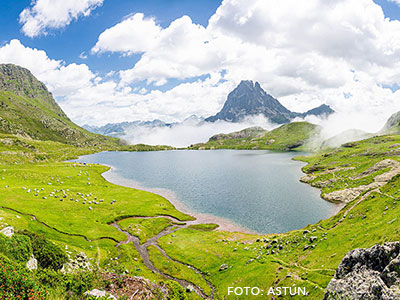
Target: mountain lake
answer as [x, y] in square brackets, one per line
[257, 190]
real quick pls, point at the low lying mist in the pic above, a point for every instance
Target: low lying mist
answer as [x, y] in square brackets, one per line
[190, 132]
[337, 129]
[343, 127]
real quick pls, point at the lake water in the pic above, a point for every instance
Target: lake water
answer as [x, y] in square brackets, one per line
[258, 190]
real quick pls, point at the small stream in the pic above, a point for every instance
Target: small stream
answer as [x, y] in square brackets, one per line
[143, 252]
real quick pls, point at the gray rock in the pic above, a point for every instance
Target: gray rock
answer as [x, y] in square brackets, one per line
[223, 267]
[98, 294]
[367, 274]
[190, 288]
[32, 263]
[8, 231]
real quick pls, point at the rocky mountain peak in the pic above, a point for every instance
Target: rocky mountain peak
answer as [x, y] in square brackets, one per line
[249, 98]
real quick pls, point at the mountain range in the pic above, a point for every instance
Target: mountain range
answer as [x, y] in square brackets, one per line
[247, 99]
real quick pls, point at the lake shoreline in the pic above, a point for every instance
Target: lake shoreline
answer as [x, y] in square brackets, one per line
[200, 218]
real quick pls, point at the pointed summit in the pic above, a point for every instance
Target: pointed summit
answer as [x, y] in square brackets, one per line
[249, 98]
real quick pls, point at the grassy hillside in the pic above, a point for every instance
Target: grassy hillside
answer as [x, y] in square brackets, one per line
[307, 257]
[31, 194]
[27, 109]
[293, 136]
[88, 233]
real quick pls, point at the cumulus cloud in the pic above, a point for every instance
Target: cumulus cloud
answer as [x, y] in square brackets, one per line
[62, 80]
[90, 99]
[134, 34]
[53, 14]
[305, 53]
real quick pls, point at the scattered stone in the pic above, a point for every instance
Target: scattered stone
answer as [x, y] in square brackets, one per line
[32, 263]
[99, 294]
[8, 231]
[313, 239]
[306, 231]
[190, 288]
[223, 267]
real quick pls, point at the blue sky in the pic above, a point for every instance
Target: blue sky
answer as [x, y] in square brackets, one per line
[125, 60]
[80, 36]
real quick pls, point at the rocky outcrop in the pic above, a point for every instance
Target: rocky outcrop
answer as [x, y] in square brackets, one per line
[350, 194]
[368, 274]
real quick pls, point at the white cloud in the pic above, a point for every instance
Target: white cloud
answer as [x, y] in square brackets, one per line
[53, 14]
[289, 46]
[304, 52]
[91, 99]
[62, 80]
[134, 34]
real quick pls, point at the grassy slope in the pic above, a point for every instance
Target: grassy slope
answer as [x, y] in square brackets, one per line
[286, 137]
[37, 119]
[374, 220]
[144, 228]
[31, 164]
[251, 264]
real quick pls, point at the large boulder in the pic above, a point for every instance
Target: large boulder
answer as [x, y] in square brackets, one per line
[368, 274]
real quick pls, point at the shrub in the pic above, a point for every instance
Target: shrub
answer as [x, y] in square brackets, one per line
[48, 254]
[17, 247]
[72, 283]
[17, 283]
[175, 291]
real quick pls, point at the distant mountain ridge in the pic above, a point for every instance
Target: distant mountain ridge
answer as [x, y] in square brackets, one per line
[249, 99]
[119, 129]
